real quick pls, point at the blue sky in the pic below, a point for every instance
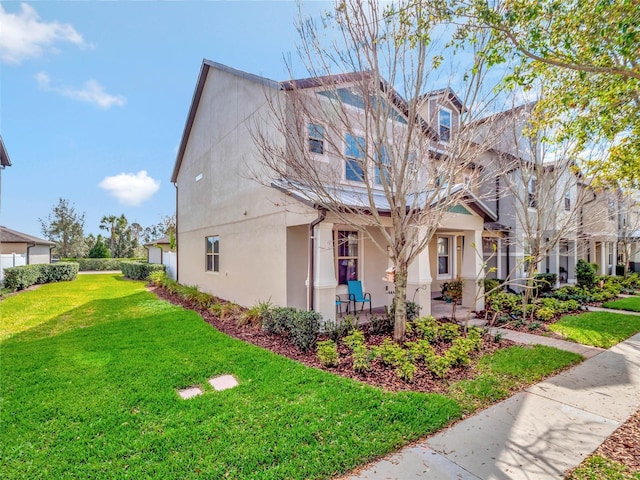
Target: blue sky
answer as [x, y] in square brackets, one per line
[94, 96]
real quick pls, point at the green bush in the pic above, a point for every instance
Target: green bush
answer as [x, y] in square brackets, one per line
[502, 302]
[545, 282]
[301, 327]
[426, 328]
[585, 274]
[492, 285]
[140, 270]
[19, 278]
[544, 314]
[99, 264]
[328, 353]
[413, 310]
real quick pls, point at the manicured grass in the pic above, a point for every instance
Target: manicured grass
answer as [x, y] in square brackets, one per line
[631, 303]
[89, 376]
[599, 468]
[506, 370]
[600, 329]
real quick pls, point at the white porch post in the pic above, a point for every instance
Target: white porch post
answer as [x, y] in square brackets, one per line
[604, 261]
[572, 260]
[324, 279]
[419, 282]
[614, 257]
[498, 254]
[472, 293]
[554, 263]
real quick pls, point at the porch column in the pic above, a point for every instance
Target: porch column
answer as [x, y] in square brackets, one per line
[572, 260]
[498, 254]
[614, 257]
[419, 282]
[603, 261]
[472, 274]
[554, 263]
[324, 279]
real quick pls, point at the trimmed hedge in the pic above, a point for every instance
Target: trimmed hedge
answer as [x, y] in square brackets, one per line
[140, 270]
[19, 278]
[99, 264]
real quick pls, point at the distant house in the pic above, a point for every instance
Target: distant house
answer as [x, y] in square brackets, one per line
[17, 248]
[157, 249]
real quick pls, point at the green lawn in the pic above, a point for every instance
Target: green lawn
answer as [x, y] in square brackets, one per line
[631, 303]
[600, 329]
[89, 377]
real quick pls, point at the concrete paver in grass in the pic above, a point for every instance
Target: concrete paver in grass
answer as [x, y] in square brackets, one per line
[223, 382]
[190, 392]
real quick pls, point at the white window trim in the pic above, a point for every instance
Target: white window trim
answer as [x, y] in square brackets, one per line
[359, 258]
[320, 157]
[213, 255]
[446, 109]
[529, 192]
[355, 134]
[451, 255]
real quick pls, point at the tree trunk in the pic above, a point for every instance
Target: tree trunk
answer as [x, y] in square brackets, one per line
[400, 320]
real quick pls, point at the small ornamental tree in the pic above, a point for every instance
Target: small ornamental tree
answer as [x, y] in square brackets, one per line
[99, 249]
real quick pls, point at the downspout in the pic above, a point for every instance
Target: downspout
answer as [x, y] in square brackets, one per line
[29, 245]
[312, 247]
[175, 184]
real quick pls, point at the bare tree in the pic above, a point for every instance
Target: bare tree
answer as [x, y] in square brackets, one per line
[542, 198]
[400, 172]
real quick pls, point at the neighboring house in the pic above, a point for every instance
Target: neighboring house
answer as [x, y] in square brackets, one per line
[249, 241]
[4, 162]
[17, 248]
[157, 249]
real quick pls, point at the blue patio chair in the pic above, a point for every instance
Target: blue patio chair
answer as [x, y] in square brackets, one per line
[355, 295]
[339, 302]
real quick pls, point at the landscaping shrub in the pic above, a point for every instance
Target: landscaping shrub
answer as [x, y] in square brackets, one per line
[492, 285]
[412, 308]
[19, 278]
[140, 270]
[99, 264]
[585, 274]
[301, 327]
[545, 282]
[328, 353]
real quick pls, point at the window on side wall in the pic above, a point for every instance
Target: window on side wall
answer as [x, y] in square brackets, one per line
[347, 256]
[382, 158]
[444, 124]
[444, 257]
[532, 193]
[212, 260]
[354, 158]
[567, 201]
[316, 138]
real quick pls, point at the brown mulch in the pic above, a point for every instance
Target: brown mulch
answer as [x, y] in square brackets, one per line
[378, 374]
[624, 444]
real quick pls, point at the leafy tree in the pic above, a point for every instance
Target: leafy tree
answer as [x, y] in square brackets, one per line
[163, 228]
[99, 249]
[65, 227]
[122, 238]
[586, 54]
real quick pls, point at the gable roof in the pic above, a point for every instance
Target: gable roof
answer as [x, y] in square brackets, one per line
[195, 102]
[160, 241]
[13, 236]
[449, 94]
[314, 82]
[4, 156]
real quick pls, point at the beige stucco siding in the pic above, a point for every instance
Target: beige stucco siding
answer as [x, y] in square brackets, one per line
[39, 254]
[13, 248]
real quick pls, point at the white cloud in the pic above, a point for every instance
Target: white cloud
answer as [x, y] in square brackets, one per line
[131, 188]
[91, 92]
[24, 35]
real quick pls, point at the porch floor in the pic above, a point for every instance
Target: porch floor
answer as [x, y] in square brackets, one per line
[439, 309]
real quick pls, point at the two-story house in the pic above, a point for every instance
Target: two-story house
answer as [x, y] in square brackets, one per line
[248, 237]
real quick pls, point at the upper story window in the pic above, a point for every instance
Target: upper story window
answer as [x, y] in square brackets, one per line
[347, 256]
[612, 209]
[532, 193]
[567, 201]
[444, 124]
[354, 154]
[384, 163]
[212, 256]
[316, 138]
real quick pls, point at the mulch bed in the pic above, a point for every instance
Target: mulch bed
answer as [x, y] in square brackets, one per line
[378, 374]
[624, 444]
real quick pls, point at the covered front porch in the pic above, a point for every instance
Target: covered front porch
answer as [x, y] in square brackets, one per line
[341, 253]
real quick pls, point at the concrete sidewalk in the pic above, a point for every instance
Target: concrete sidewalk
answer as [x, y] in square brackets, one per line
[538, 433]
